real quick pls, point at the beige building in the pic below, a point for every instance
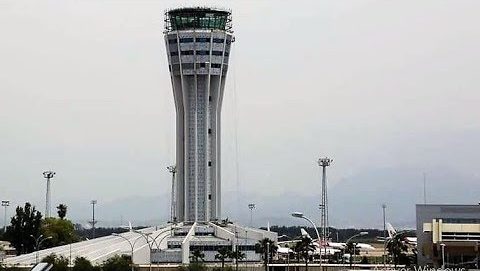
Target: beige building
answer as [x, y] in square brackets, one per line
[450, 233]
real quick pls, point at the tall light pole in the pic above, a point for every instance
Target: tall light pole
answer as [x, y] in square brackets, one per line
[300, 215]
[324, 163]
[251, 206]
[5, 204]
[384, 207]
[93, 222]
[173, 212]
[48, 175]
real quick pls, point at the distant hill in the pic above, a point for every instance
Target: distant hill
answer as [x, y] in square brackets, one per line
[355, 202]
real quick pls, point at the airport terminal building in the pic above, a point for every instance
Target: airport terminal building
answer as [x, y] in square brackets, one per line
[451, 232]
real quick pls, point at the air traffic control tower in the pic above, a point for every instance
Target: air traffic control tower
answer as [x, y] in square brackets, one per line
[198, 44]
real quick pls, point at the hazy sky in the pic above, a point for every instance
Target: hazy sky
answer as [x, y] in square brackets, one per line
[375, 85]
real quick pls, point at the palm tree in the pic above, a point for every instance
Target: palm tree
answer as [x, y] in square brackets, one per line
[197, 256]
[237, 255]
[267, 248]
[397, 247]
[62, 211]
[304, 248]
[350, 249]
[223, 254]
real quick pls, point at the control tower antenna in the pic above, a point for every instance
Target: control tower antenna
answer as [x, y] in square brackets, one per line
[324, 163]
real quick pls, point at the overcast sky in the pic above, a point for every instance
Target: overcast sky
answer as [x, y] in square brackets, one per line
[375, 85]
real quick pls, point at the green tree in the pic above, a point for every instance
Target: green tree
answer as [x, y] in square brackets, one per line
[396, 247]
[304, 248]
[197, 256]
[117, 263]
[62, 211]
[23, 225]
[59, 263]
[62, 231]
[237, 255]
[267, 248]
[223, 254]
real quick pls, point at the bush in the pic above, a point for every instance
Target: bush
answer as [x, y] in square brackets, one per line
[117, 263]
[193, 267]
[82, 264]
[226, 268]
[59, 263]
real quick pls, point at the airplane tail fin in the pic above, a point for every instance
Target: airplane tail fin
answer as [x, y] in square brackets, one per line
[304, 233]
[130, 226]
[391, 230]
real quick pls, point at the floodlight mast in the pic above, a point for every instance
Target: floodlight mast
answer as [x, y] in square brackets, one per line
[93, 222]
[251, 206]
[5, 204]
[48, 175]
[324, 163]
[173, 211]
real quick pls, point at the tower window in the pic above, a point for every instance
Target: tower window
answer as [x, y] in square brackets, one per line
[174, 53]
[187, 53]
[215, 65]
[218, 40]
[209, 98]
[186, 40]
[209, 130]
[202, 39]
[209, 163]
[203, 53]
[172, 41]
[217, 53]
[209, 196]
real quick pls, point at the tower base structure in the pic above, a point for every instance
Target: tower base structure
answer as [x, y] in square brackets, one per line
[209, 238]
[171, 244]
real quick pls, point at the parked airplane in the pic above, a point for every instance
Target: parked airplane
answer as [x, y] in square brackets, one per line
[392, 232]
[330, 248]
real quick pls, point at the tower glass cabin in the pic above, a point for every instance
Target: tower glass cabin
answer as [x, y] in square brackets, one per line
[198, 42]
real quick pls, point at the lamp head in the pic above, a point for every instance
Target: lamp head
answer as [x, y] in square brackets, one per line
[297, 214]
[363, 233]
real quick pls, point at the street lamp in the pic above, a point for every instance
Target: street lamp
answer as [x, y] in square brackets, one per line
[300, 215]
[443, 255]
[146, 235]
[384, 207]
[132, 245]
[5, 204]
[38, 243]
[355, 245]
